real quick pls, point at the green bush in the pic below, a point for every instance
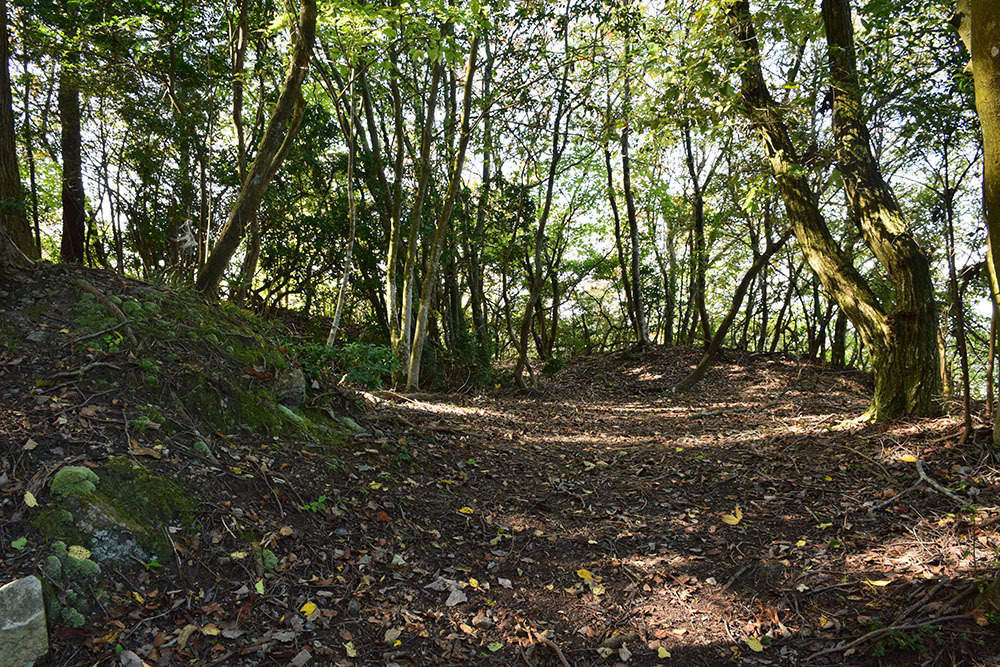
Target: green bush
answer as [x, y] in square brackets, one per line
[364, 364]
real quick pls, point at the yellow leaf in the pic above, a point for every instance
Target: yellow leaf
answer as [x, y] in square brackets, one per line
[467, 510]
[64, 331]
[755, 645]
[734, 518]
[29, 499]
[375, 486]
[584, 574]
[597, 589]
[308, 609]
[877, 582]
[474, 583]
[211, 630]
[800, 543]
[238, 555]
[908, 458]
[828, 478]
[351, 651]
[76, 551]
[138, 598]
[662, 653]
[824, 526]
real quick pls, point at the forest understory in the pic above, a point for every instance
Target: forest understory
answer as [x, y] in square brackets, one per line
[601, 520]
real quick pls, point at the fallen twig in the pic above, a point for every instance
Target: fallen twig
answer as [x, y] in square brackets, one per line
[539, 637]
[881, 631]
[112, 308]
[937, 487]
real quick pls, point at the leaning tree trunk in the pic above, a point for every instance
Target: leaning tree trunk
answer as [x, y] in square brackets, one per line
[278, 137]
[908, 369]
[895, 341]
[720, 333]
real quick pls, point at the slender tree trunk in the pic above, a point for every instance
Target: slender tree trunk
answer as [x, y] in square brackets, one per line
[642, 332]
[13, 211]
[443, 222]
[700, 263]
[74, 214]
[838, 347]
[278, 138]
[720, 333]
[349, 129]
[619, 244]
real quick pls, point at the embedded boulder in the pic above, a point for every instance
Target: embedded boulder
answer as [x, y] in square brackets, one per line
[23, 634]
[290, 387]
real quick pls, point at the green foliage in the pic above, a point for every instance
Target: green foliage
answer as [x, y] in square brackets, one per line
[318, 505]
[268, 559]
[73, 480]
[365, 364]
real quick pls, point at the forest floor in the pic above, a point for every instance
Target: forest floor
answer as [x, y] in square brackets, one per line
[599, 521]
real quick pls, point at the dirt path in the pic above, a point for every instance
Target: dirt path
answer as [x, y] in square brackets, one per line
[620, 520]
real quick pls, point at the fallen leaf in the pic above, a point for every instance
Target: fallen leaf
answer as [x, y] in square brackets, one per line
[457, 596]
[755, 644]
[474, 583]
[351, 651]
[734, 518]
[308, 609]
[584, 574]
[259, 587]
[141, 450]
[29, 499]
[494, 646]
[76, 551]
[285, 531]
[877, 582]
[800, 543]
[662, 653]
[506, 583]
[185, 634]
[19, 543]
[28, 446]
[392, 636]
[382, 517]
[467, 510]
[211, 630]
[908, 458]
[301, 658]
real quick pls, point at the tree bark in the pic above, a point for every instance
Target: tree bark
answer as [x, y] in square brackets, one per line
[277, 139]
[13, 210]
[443, 222]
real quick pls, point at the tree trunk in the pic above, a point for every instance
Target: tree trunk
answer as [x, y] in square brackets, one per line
[642, 331]
[699, 261]
[900, 344]
[984, 34]
[443, 222]
[619, 244]
[74, 215]
[13, 211]
[278, 138]
[720, 333]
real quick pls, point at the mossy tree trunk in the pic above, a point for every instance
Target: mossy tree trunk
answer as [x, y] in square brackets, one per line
[910, 359]
[277, 139]
[896, 341]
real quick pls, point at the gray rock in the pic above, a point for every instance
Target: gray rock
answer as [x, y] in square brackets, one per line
[36, 336]
[23, 635]
[290, 387]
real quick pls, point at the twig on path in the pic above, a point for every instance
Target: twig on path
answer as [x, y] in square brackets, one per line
[937, 487]
[881, 631]
[542, 639]
[739, 573]
[923, 479]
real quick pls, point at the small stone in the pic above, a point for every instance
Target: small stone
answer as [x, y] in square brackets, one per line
[36, 336]
[290, 387]
[23, 634]
[483, 622]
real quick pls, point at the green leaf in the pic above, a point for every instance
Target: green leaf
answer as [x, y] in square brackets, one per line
[19, 543]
